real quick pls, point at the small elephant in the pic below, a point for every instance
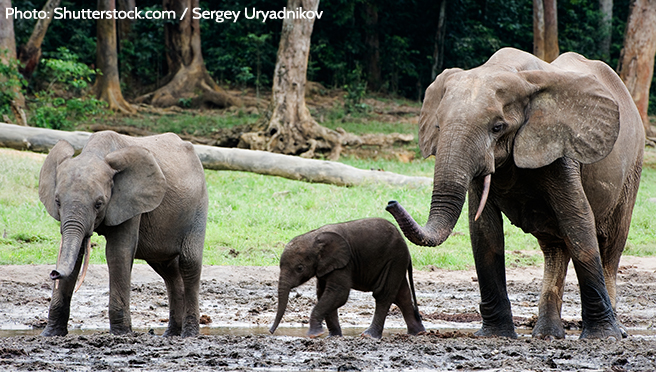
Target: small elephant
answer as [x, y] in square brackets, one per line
[557, 148]
[148, 197]
[366, 255]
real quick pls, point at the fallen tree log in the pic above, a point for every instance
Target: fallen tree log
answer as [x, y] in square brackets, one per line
[220, 158]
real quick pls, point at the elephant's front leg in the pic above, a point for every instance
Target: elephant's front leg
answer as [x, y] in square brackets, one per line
[335, 295]
[488, 247]
[60, 304]
[556, 259]
[120, 250]
[332, 319]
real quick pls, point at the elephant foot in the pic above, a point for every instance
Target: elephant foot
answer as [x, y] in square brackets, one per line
[314, 333]
[416, 330]
[54, 331]
[606, 331]
[120, 330]
[375, 334]
[171, 332]
[191, 328]
[546, 329]
[487, 331]
[335, 333]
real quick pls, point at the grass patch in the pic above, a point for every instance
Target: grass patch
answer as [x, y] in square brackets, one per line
[252, 217]
[197, 123]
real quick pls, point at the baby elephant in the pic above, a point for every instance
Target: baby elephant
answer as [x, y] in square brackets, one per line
[366, 255]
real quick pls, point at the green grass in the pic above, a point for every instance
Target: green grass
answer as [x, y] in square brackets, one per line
[196, 123]
[252, 217]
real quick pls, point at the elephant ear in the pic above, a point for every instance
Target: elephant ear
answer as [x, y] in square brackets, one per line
[569, 115]
[61, 152]
[333, 252]
[428, 125]
[139, 184]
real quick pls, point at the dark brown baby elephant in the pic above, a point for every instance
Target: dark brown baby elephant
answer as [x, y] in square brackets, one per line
[367, 255]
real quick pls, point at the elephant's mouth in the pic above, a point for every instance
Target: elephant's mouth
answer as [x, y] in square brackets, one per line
[56, 275]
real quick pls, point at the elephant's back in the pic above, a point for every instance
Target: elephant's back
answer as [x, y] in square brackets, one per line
[186, 195]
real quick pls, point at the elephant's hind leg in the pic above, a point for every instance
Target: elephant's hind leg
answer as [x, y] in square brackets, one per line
[404, 302]
[556, 259]
[170, 272]
[190, 269]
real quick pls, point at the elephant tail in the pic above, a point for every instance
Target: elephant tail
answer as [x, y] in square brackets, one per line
[412, 289]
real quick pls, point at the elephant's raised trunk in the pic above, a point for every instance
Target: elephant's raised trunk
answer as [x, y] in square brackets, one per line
[449, 192]
[283, 299]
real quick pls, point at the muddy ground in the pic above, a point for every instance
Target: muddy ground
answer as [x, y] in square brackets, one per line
[239, 305]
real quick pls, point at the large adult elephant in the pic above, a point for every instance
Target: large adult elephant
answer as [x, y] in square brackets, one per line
[147, 196]
[555, 147]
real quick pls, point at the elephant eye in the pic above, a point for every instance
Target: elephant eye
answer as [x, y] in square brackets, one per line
[57, 202]
[99, 204]
[498, 127]
[299, 268]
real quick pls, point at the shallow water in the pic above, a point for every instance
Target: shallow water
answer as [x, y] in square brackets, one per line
[299, 331]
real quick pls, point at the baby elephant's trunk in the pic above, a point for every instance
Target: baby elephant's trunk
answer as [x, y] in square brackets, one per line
[283, 298]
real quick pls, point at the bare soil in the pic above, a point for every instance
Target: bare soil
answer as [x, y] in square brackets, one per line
[238, 305]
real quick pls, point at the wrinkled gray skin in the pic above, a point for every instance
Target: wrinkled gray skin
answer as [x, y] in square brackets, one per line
[367, 255]
[147, 196]
[563, 143]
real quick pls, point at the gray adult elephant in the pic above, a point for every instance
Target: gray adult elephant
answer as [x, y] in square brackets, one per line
[147, 196]
[555, 147]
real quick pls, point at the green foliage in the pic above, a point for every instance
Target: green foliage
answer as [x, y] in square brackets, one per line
[11, 82]
[49, 111]
[66, 70]
[244, 52]
[356, 90]
[62, 102]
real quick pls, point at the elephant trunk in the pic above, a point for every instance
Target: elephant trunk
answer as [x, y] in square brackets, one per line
[449, 192]
[283, 299]
[72, 240]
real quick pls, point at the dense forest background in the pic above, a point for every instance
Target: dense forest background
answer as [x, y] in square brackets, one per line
[244, 53]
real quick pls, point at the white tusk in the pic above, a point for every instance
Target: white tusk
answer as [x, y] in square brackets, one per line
[61, 242]
[85, 267]
[486, 192]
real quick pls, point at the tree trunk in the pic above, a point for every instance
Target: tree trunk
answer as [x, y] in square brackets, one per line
[30, 54]
[125, 25]
[8, 56]
[606, 24]
[187, 76]
[545, 29]
[438, 51]
[372, 41]
[108, 86]
[291, 129]
[219, 158]
[636, 64]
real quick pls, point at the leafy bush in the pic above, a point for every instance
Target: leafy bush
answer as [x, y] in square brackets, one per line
[356, 90]
[11, 81]
[67, 71]
[49, 108]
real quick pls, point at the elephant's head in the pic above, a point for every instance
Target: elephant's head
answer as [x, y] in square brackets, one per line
[478, 120]
[316, 253]
[93, 189]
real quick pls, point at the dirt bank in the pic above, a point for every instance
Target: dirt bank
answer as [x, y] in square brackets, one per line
[240, 302]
